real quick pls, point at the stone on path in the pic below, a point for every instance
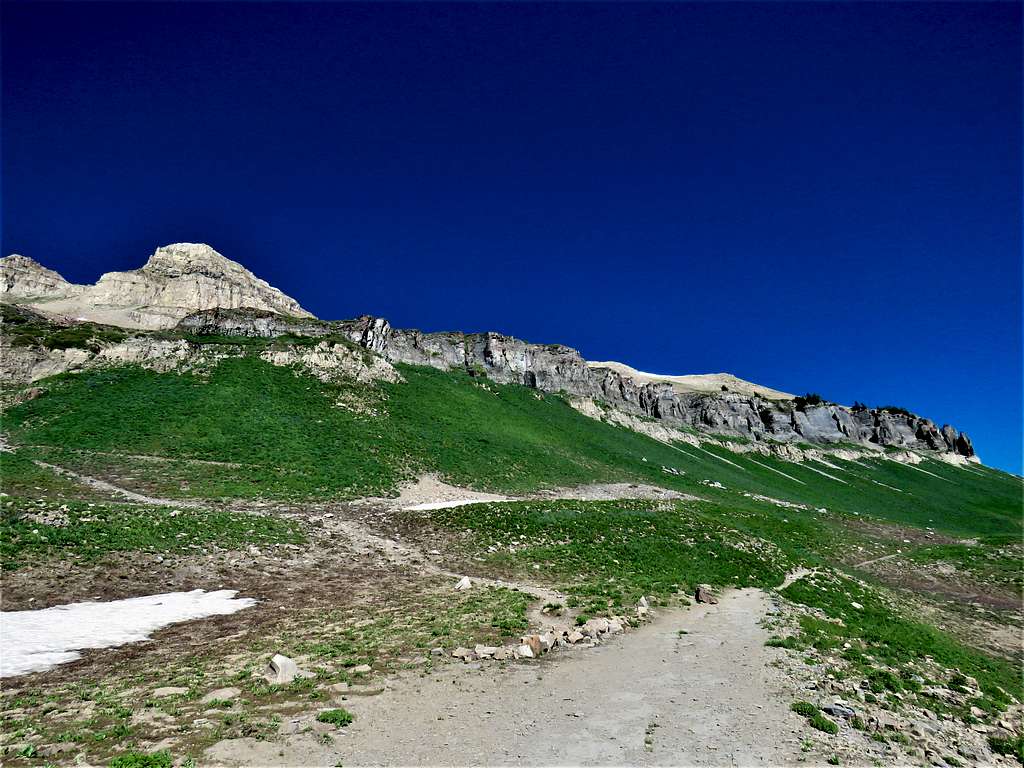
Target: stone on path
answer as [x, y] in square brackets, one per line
[464, 583]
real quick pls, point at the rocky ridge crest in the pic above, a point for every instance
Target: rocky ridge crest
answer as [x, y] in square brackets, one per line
[200, 292]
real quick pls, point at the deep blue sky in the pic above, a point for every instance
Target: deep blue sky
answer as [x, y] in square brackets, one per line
[813, 196]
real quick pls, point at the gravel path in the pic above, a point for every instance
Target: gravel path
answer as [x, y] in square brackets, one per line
[651, 697]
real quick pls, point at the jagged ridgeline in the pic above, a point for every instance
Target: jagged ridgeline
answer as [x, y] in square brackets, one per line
[193, 359]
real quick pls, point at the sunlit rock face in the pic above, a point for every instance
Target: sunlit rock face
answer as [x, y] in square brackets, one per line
[176, 281]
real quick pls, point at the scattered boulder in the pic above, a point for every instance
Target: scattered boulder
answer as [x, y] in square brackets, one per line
[463, 653]
[33, 392]
[703, 595]
[281, 670]
[839, 709]
[524, 651]
[503, 653]
[575, 637]
[362, 669]
[614, 626]
[464, 583]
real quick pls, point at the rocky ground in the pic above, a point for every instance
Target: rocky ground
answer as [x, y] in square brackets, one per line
[382, 623]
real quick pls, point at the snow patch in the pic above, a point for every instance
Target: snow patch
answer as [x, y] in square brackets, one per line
[447, 504]
[34, 641]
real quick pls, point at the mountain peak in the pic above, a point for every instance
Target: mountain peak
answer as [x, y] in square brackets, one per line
[179, 259]
[175, 281]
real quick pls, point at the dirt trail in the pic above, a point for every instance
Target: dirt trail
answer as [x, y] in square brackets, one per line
[651, 697]
[102, 485]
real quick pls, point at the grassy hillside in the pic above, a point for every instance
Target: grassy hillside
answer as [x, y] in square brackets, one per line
[255, 430]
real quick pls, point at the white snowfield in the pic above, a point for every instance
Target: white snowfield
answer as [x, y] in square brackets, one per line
[33, 641]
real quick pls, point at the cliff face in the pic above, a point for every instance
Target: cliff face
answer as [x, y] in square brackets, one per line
[177, 280]
[555, 368]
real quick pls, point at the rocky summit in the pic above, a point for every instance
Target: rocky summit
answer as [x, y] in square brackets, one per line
[231, 529]
[176, 280]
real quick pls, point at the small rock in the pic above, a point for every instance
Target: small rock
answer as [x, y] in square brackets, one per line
[338, 689]
[503, 653]
[485, 651]
[703, 595]
[839, 710]
[642, 602]
[437, 651]
[885, 722]
[614, 627]
[362, 669]
[595, 627]
[464, 583]
[575, 636]
[524, 651]
[978, 712]
[463, 653]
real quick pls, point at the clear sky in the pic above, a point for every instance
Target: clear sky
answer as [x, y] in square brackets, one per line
[818, 197]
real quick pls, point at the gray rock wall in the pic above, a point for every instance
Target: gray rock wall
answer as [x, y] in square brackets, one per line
[556, 368]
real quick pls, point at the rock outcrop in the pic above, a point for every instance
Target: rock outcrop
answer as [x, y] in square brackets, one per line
[556, 368]
[177, 280]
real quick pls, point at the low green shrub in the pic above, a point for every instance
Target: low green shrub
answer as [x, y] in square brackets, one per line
[338, 717]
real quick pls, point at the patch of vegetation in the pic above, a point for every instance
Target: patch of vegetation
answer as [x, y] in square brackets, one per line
[486, 615]
[879, 630]
[339, 717]
[993, 560]
[84, 530]
[141, 760]
[822, 723]
[801, 402]
[609, 553]
[24, 328]
[895, 409]
[804, 708]
[1008, 745]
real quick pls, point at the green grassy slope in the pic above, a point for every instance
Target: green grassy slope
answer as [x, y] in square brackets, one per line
[283, 435]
